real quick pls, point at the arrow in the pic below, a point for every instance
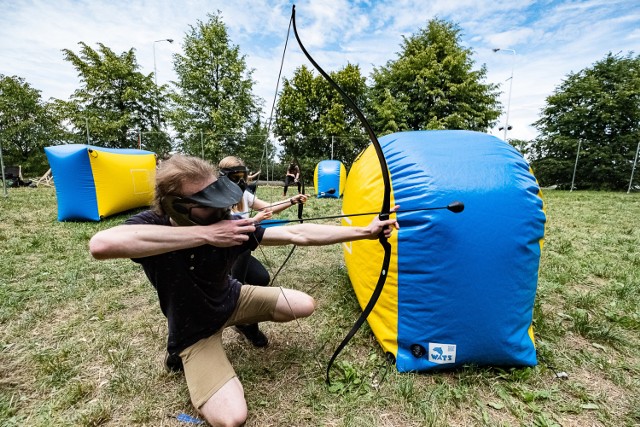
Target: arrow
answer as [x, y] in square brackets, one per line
[455, 207]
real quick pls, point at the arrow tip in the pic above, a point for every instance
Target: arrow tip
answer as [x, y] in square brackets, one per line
[456, 207]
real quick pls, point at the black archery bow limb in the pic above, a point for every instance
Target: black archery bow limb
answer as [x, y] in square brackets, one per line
[384, 210]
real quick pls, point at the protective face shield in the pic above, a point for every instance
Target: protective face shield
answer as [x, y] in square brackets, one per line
[237, 174]
[219, 197]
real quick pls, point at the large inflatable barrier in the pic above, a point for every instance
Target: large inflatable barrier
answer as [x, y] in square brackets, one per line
[330, 175]
[93, 182]
[461, 287]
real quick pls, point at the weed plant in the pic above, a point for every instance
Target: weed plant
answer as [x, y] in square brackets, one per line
[82, 342]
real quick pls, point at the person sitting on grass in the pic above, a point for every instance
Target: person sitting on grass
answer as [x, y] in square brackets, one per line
[187, 244]
[247, 268]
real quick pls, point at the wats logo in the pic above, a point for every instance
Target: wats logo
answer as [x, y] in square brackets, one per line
[442, 353]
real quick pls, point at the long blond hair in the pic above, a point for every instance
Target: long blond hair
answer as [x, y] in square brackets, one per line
[233, 162]
[174, 173]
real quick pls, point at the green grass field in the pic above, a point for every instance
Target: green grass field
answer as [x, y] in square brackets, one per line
[82, 342]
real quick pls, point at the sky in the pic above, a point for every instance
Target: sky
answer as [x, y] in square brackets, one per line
[541, 42]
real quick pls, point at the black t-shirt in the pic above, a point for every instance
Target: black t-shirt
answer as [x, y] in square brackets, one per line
[196, 293]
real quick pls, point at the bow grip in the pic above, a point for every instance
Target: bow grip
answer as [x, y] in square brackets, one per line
[383, 217]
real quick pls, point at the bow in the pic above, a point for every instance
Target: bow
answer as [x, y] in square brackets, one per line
[384, 210]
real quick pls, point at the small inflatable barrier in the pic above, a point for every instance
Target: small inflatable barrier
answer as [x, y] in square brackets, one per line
[94, 182]
[329, 174]
[461, 287]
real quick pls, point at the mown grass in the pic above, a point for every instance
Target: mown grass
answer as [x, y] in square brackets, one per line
[82, 342]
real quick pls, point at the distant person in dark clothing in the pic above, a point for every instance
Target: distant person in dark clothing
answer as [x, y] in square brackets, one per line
[292, 177]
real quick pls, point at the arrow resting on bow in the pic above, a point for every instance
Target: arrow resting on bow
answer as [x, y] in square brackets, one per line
[455, 207]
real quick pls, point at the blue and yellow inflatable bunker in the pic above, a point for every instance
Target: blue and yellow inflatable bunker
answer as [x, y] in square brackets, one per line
[327, 175]
[93, 182]
[461, 287]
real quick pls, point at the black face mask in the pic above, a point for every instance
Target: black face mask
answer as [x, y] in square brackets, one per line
[180, 210]
[237, 175]
[215, 215]
[217, 198]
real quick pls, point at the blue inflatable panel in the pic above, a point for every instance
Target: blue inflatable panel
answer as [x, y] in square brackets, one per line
[72, 172]
[467, 281]
[330, 175]
[94, 182]
[460, 287]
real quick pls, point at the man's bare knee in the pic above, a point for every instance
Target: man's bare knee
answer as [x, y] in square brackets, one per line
[227, 407]
[306, 306]
[294, 304]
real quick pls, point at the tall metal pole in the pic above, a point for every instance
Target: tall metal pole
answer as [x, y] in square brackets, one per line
[513, 61]
[86, 121]
[633, 169]
[331, 147]
[575, 166]
[4, 179]
[155, 76]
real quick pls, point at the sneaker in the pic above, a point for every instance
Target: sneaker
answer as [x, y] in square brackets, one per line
[173, 363]
[253, 334]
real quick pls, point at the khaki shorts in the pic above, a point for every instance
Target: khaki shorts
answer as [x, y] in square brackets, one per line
[206, 367]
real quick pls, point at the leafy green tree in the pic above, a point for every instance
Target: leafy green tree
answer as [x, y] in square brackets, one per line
[523, 146]
[431, 85]
[215, 108]
[313, 119]
[27, 125]
[256, 150]
[597, 108]
[297, 115]
[115, 101]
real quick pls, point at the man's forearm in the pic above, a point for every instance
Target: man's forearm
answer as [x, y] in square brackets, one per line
[142, 240]
[312, 234]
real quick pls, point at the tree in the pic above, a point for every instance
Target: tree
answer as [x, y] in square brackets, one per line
[523, 146]
[431, 85]
[27, 125]
[115, 101]
[256, 149]
[313, 116]
[214, 104]
[597, 108]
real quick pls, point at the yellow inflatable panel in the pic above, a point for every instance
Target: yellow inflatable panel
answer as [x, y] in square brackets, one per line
[95, 182]
[118, 174]
[365, 256]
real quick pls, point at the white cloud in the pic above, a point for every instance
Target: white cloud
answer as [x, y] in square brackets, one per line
[551, 37]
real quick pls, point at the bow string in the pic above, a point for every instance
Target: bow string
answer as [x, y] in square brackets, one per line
[384, 209]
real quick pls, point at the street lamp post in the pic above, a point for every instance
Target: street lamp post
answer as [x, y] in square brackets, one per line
[155, 74]
[506, 120]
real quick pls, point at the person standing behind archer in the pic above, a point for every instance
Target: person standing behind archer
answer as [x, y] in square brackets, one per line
[247, 269]
[292, 176]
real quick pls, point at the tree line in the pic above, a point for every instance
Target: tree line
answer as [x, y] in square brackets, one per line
[211, 110]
